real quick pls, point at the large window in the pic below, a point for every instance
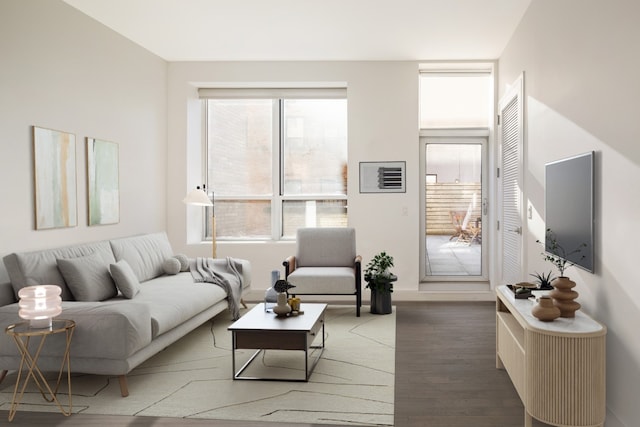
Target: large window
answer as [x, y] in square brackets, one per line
[276, 164]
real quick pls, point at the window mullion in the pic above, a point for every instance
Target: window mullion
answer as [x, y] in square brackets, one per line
[276, 159]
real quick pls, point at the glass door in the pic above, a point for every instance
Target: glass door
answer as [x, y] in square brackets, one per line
[455, 202]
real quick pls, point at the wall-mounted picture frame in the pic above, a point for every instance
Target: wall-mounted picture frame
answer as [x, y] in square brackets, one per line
[55, 190]
[103, 183]
[382, 177]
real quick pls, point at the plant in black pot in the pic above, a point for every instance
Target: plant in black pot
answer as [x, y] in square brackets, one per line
[380, 280]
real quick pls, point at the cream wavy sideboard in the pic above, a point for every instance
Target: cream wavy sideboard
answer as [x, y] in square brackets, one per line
[557, 368]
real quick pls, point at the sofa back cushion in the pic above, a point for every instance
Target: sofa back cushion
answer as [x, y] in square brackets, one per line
[41, 267]
[145, 254]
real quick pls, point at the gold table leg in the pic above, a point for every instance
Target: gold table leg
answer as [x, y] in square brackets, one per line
[31, 363]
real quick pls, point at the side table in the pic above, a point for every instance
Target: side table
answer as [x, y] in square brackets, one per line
[22, 334]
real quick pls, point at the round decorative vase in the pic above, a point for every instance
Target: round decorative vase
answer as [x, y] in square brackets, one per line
[282, 308]
[563, 296]
[544, 310]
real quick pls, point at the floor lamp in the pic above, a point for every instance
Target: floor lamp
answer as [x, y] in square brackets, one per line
[198, 197]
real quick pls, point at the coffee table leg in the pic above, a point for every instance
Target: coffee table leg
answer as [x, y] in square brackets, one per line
[308, 371]
[233, 354]
[236, 375]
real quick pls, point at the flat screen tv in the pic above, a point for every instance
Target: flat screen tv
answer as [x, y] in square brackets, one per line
[569, 207]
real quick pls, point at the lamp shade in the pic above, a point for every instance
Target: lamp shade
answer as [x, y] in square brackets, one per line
[39, 304]
[197, 197]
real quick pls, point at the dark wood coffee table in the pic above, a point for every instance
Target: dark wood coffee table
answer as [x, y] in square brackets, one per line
[260, 330]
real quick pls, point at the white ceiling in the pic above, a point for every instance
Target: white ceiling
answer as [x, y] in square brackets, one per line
[243, 30]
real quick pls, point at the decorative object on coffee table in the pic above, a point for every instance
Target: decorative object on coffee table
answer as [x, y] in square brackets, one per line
[271, 295]
[545, 310]
[282, 307]
[380, 281]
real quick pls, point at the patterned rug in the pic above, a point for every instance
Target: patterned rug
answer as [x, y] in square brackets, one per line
[352, 384]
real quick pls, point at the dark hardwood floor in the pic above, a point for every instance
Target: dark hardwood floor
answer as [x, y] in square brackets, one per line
[445, 376]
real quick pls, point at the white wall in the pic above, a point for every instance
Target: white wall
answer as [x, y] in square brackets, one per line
[581, 61]
[383, 125]
[60, 69]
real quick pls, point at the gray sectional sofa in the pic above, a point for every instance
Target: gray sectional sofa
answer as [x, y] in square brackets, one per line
[114, 333]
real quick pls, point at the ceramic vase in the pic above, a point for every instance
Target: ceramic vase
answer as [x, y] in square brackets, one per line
[282, 308]
[563, 296]
[545, 310]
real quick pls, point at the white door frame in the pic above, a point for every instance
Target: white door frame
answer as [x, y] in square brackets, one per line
[454, 136]
[515, 93]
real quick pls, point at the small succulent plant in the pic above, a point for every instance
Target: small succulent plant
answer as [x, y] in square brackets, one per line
[544, 280]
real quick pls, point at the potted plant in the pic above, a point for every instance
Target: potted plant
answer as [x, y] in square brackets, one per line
[380, 280]
[543, 280]
[556, 254]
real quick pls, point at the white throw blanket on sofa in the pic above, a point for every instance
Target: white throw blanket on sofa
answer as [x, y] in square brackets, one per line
[226, 275]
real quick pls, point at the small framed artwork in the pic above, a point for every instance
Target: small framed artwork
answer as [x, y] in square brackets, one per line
[382, 177]
[103, 185]
[54, 164]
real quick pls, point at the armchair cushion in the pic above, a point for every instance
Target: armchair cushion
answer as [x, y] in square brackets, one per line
[324, 247]
[323, 280]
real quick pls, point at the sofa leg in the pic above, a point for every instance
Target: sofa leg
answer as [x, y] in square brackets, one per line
[244, 304]
[2, 375]
[124, 388]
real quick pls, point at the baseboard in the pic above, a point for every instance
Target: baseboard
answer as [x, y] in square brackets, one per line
[398, 295]
[402, 295]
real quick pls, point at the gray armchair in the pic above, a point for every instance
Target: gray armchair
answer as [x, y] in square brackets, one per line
[326, 264]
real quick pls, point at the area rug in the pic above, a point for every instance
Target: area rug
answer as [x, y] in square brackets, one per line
[352, 384]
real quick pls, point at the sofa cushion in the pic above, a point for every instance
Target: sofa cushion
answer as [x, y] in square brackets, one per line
[145, 253]
[172, 300]
[125, 278]
[41, 267]
[88, 278]
[113, 329]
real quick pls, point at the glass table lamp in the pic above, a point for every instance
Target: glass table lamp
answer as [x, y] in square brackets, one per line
[39, 304]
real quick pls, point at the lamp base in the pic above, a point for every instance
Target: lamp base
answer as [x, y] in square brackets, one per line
[40, 323]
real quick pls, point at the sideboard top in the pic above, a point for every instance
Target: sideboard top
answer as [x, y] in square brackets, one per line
[581, 324]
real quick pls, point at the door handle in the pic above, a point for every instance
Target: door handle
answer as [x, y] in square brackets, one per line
[517, 230]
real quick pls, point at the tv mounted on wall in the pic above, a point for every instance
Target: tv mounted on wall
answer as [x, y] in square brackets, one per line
[569, 208]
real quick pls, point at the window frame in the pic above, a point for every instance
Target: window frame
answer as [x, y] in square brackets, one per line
[277, 198]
